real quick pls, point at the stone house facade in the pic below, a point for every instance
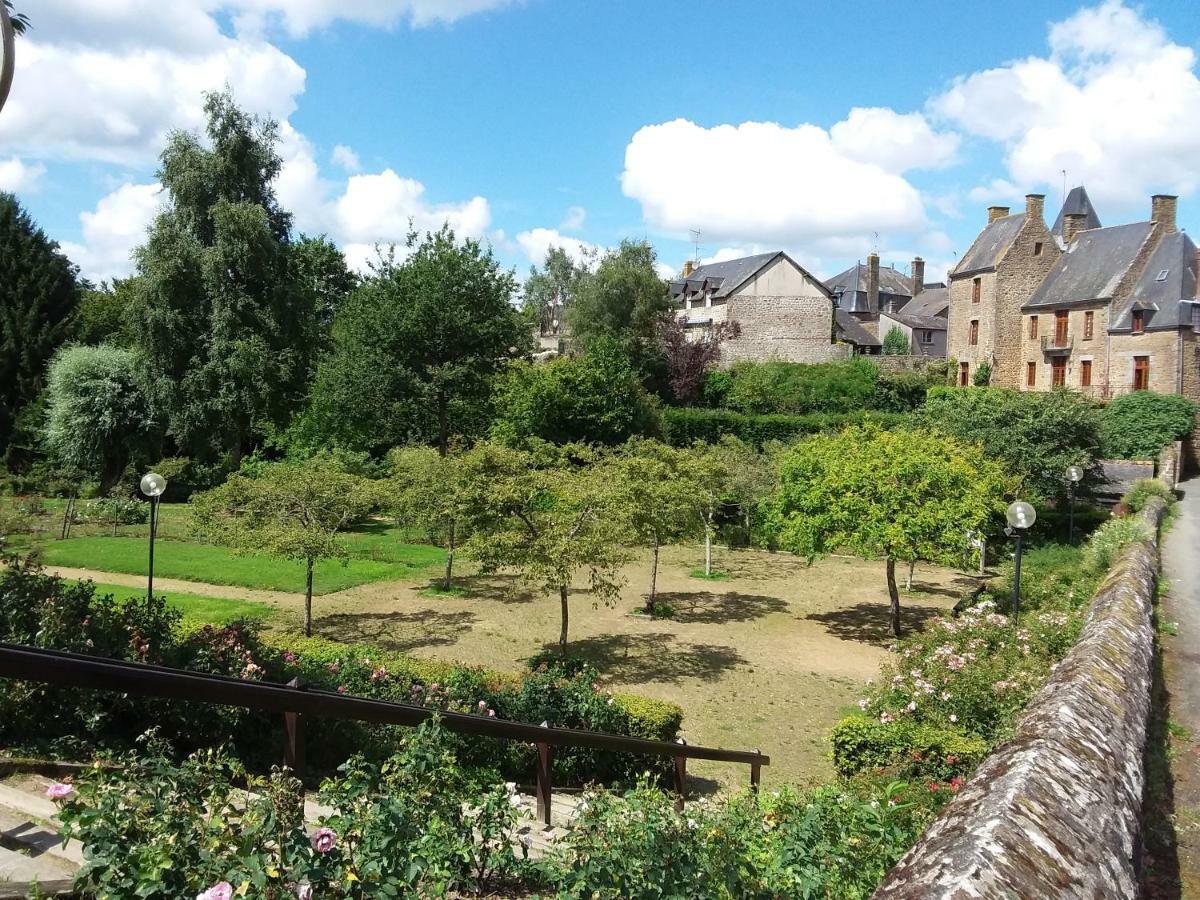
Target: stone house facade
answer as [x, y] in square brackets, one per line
[1101, 310]
[781, 310]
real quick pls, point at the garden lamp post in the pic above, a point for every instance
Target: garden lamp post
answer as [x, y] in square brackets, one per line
[1021, 517]
[1074, 476]
[152, 486]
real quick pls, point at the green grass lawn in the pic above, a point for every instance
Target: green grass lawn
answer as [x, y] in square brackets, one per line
[217, 610]
[218, 565]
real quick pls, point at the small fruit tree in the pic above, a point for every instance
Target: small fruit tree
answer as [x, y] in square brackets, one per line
[904, 494]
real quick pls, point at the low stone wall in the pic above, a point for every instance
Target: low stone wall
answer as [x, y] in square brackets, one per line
[1056, 810]
[1170, 463]
[894, 364]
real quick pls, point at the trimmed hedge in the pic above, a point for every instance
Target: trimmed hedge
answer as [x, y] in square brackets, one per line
[861, 744]
[1139, 425]
[684, 426]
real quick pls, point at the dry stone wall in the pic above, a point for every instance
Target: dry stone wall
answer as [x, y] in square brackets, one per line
[793, 329]
[1056, 811]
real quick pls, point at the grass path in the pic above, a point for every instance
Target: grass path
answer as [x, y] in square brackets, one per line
[275, 599]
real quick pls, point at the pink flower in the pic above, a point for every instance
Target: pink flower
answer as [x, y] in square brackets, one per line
[933, 787]
[482, 705]
[222, 890]
[333, 668]
[289, 656]
[304, 891]
[492, 713]
[59, 791]
[324, 840]
[956, 783]
[887, 718]
[379, 674]
[341, 689]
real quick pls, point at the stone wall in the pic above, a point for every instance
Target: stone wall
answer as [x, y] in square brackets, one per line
[1018, 276]
[794, 329]
[891, 365]
[1056, 811]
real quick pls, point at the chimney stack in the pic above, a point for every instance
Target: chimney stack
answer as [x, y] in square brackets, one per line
[1035, 206]
[1073, 224]
[687, 268]
[873, 283]
[918, 275]
[996, 212]
[1162, 211]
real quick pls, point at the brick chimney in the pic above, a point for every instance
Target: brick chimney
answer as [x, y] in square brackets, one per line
[1073, 224]
[918, 275]
[996, 212]
[1035, 207]
[873, 283]
[688, 268]
[1162, 211]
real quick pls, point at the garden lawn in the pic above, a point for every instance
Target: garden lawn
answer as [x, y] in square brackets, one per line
[218, 565]
[196, 607]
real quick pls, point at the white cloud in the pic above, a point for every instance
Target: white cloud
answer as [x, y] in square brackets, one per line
[536, 243]
[761, 182]
[574, 219]
[1116, 103]
[301, 16]
[896, 142]
[380, 208]
[17, 176]
[345, 159]
[997, 192]
[113, 230]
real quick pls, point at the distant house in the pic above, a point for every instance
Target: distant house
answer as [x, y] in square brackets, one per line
[782, 311]
[923, 320]
[878, 299]
[865, 291]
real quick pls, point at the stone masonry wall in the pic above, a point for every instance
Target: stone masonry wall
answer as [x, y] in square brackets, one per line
[1056, 811]
[794, 329]
[1018, 276]
[962, 311]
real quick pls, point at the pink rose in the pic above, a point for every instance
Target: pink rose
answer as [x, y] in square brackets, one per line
[324, 840]
[222, 890]
[59, 791]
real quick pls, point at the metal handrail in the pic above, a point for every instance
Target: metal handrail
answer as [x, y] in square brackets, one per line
[295, 700]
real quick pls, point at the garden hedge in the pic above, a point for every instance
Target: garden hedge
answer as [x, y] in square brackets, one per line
[861, 744]
[1139, 425]
[684, 426]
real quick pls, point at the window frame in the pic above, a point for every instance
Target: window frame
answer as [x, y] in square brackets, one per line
[1085, 373]
[964, 374]
[1033, 328]
[1031, 374]
[976, 288]
[1089, 325]
[1058, 372]
[1141, 373]
[1137, 321]
[973, 333]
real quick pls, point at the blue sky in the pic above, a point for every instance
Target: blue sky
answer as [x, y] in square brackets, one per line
[823, 129]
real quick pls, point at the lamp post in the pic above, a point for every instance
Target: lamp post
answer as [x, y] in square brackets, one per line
[1074, 476]
[152, 486]
[1021, 517]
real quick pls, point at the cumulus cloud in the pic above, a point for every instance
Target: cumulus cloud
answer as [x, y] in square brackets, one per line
[896, 142]
[301, 16]
[1116, 104]
[383, 208]
[536, 243]
[17, 176]
[345, 159]
[760, 182]
[574, 219]
[998, 191]
[113, 230]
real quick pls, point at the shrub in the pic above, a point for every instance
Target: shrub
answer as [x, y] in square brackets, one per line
[1110, 539]
[799, 388]
[115, 511]
[910, 749]
[1143, 491]
[896, 342]
[683, 427]
[902, 392]
[1139, 425]
[983, 374]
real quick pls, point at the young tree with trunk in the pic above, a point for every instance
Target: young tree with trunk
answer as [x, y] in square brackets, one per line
[898, 495]
[550, 291]
[656, 489]
[290, 510]
[550, 516]
[428, 490]
[709, 468]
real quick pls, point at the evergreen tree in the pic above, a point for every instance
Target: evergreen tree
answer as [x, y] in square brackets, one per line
[38, 296]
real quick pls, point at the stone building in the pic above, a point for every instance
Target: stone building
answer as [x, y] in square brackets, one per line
[880, 298]
[922, 320]
[1101, 310]
[782, 311]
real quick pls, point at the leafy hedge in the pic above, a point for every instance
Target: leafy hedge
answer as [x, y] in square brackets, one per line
[45, 611]
[1139, 425]
[861, 744]
[683, 427]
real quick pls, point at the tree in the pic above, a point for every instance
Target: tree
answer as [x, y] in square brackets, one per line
[689, 360]
[594, 399]
[1139, 425]
[550, 517]
[550, 292]
[98, 416]
[290, 510]
[656, 488]
[220, 323]
[1036, 435]
[900, 495]
[415, 349]
[428, 489]
[622, 301]
[896, 342]
[752, 476]
[20, 21]
[38, 296]
[103, 314]
[321, 275]
[709, 466]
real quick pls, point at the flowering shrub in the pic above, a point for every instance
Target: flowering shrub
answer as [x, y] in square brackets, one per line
[1107, 542]
[416, 826]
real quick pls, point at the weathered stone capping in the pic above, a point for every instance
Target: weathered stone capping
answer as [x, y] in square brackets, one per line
[1056, 811]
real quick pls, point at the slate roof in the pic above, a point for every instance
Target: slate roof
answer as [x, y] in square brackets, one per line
[1165, 289]
[929, 323]
[1093, 266]
[993, 242]
[1077, 201]
[849, 329]
[891, 281]
[724, 277]
[933, 301]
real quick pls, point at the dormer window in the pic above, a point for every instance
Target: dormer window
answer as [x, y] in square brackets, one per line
[1162, 276]
[1139, 321]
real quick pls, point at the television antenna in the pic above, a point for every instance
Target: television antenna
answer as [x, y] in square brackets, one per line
[695, 233]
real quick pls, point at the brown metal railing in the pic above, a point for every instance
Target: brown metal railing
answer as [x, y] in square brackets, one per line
[294, 701]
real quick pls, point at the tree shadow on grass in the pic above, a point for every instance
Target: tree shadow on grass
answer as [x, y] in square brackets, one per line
[657, 656]
[870, 623]
[959, 587]
[713, 608]
[397, 631]
[496, 588]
